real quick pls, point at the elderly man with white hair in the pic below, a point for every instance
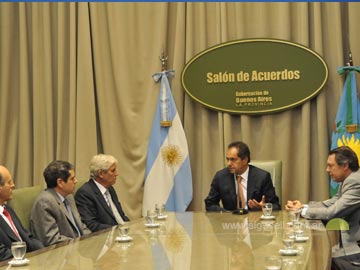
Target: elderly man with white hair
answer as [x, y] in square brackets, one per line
[96, 200]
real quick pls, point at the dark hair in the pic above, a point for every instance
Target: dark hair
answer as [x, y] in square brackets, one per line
[243, 149]
[1, 180]
[55, 170]
[345, 155]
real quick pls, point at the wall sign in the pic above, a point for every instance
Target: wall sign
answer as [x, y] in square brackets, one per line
[254, 76]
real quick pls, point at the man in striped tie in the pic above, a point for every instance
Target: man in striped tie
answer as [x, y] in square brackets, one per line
[11, 229]
[54, 216]
[240, 185]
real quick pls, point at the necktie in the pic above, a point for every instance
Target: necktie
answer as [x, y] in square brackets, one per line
[68, 208]
[241, 199]
[113, 208]
[8, 216]
[340, 189]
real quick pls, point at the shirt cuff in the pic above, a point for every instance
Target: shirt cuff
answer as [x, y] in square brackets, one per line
[303, 212]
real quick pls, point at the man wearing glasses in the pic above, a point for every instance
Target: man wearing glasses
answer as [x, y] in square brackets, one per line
[240, 185]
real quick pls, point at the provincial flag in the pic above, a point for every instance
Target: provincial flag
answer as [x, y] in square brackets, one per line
[168, 177]
[347, 126]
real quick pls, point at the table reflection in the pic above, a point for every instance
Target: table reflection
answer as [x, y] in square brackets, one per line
[190, 240]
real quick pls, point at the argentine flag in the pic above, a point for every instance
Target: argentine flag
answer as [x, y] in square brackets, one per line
[347, 120]
[173, 249]
[168, 177]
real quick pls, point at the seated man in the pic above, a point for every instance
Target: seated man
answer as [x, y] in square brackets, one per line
[240, 185]
[54, 216]
[96, 200]
[343, 167]
[11, 229]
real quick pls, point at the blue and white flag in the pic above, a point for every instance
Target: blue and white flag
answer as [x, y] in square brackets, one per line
[168, 177]
[173, 249]
[347, 120]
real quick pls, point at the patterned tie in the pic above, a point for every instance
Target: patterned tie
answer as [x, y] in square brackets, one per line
[8, 216]
[240, 193]
[68, 208]
[113, 208]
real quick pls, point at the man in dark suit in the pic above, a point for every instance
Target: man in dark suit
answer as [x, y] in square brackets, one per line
[240, 185]
[11, 229]
[97, 200]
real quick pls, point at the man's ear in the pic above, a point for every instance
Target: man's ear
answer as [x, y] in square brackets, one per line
[100, 173]
[346, 166]
[59, 182]
[245, 160]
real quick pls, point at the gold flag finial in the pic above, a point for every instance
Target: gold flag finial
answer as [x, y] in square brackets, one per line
[163, 60]
[350, 63]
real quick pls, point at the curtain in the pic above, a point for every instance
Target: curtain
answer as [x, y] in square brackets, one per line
[75, 80]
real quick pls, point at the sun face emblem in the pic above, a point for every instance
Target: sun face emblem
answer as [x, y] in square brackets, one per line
[175, 241]
[352, 142]
[171, 155]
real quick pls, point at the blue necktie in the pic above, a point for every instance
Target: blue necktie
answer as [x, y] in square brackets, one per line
[68, 208]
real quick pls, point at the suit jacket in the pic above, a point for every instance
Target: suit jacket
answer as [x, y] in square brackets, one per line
[94, 210]
[345, 205]
[50, 221]
[7, 236]
[223, 189]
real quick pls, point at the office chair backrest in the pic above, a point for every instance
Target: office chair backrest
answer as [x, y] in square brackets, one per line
[274, 167]
[22, 202]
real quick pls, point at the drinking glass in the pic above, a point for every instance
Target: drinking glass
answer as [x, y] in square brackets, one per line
[288, 243]
[160, 209]
[297, 225]
[294, 215]
[299, 233]
[124, 231]
[150, 217]
[267, 209]
[18, 250]
[273, 263]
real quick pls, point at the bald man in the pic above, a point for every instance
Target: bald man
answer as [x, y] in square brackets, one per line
[11, 229]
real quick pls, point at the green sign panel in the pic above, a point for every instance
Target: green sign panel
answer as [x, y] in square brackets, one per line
[254, 76]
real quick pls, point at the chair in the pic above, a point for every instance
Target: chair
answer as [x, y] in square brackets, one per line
[274, 167]
[22, 202]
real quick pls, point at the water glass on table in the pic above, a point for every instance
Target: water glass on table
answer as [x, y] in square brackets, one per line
[267, 209]
[273, 263]
[160, 209]
[294, 214]
[18, 250]
[124, 231]
[150, 217]
[288, 243]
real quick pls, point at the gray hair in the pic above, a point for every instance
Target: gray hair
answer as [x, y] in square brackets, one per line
[101, 162]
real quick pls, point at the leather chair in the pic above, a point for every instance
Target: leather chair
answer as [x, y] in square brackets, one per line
[274, 167]
[22, 202]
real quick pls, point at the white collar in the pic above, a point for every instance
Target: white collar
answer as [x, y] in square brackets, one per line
[100, 186]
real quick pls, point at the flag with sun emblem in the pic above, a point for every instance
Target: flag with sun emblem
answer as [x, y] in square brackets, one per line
[168, 177]
[347, 126]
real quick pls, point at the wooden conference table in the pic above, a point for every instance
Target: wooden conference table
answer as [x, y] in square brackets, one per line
[190, 240]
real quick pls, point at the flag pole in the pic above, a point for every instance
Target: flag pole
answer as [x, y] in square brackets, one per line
[168, 178]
